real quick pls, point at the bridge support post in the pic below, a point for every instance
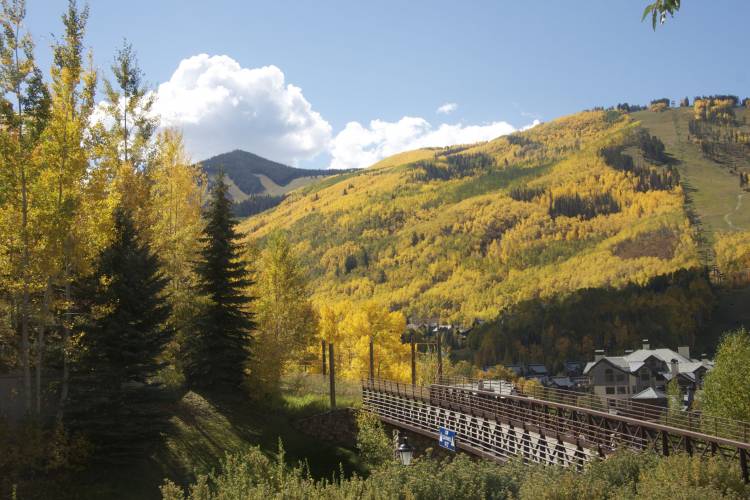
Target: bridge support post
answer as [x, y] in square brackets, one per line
[665, 443]
[413, 360]
[743, 465]
[332, 375]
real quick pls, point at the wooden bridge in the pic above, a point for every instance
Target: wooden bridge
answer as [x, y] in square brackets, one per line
[550, 426]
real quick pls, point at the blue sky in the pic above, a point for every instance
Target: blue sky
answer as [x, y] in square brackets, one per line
[377, 72]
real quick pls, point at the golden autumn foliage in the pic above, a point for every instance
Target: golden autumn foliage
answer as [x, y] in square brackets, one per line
[714, 109]
[466, 232]
[733, 254]
[350, 328]
[286, 320]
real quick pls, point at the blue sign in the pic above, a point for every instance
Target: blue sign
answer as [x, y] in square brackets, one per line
[447, 439]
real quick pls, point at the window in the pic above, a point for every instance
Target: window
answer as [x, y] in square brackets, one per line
[610, 390]
[633, 389]
[621, 377]
[621, 389]
[645, 376]
[609, 375]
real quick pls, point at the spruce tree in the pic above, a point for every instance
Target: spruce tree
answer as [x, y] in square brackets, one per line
[216, 355]
[115, 399]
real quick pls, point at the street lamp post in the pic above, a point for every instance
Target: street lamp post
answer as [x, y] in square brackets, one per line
[405, 451]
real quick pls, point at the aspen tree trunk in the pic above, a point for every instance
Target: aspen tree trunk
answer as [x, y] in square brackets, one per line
[25, 294]
[66, 346]
[40, 345]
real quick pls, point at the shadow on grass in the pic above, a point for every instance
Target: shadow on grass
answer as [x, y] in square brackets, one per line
[206, 427]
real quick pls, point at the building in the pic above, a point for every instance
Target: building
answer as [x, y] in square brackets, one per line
[537, 371]
[643, 375]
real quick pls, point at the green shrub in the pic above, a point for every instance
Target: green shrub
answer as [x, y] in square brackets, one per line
[373, 444]
[625, 475]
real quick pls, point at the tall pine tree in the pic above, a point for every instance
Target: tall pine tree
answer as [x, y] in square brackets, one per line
[216, 355]
[115, 399]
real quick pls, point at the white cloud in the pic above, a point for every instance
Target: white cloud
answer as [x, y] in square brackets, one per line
[447, 108]
[357, 146]
[221, 106]
[531, 125]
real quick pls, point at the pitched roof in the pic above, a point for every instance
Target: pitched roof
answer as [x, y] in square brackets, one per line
[650, 393]
[666, 355]
[562, 381]
[631, 363]
[690, 367]
[537, 368]
[634, 366]
[617, 361]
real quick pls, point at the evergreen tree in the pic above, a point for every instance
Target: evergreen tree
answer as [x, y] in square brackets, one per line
[215, 356]
[115, 399]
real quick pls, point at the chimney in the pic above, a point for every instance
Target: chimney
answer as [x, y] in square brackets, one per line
[684, 351]
[646, 345]
[598, 354]
[675, 368]
[628, 351]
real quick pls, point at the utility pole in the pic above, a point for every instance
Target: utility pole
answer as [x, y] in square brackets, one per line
[372, 360]
[439, 357]
[323, 349]
[413, 360]
[332, 376]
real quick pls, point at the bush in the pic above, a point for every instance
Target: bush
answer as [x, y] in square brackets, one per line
[681, 476]
[36, 461]
[625, 475]
[373, 444]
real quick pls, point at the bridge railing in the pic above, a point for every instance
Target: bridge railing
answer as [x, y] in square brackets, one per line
[398, 388]
[465, 401]
[694, 421]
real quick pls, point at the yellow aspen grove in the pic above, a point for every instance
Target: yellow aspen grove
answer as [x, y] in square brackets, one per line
[63, 186]
[350, 327]
[286, 320]
[25, 104]
[176, 194]
[123, 138]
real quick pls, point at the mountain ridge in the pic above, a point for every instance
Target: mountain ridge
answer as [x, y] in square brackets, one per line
[244, 168]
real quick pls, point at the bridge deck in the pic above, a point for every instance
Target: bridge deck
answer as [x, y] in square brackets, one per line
[563, 429]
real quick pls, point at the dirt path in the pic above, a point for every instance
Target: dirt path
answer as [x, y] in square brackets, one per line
[727, 218]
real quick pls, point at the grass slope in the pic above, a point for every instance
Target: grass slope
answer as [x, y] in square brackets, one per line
[204, 431]
[713, 190]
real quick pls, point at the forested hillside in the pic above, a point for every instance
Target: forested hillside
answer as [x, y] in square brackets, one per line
[468, 232]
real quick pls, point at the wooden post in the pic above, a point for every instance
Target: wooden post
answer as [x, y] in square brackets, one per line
[664, 443]
[743, 466]
[372, 360]
[413, 360]
[440, 357]
[323, 350]
[332, 375]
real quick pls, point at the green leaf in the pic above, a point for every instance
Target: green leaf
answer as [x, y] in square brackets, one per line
[647, 10]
